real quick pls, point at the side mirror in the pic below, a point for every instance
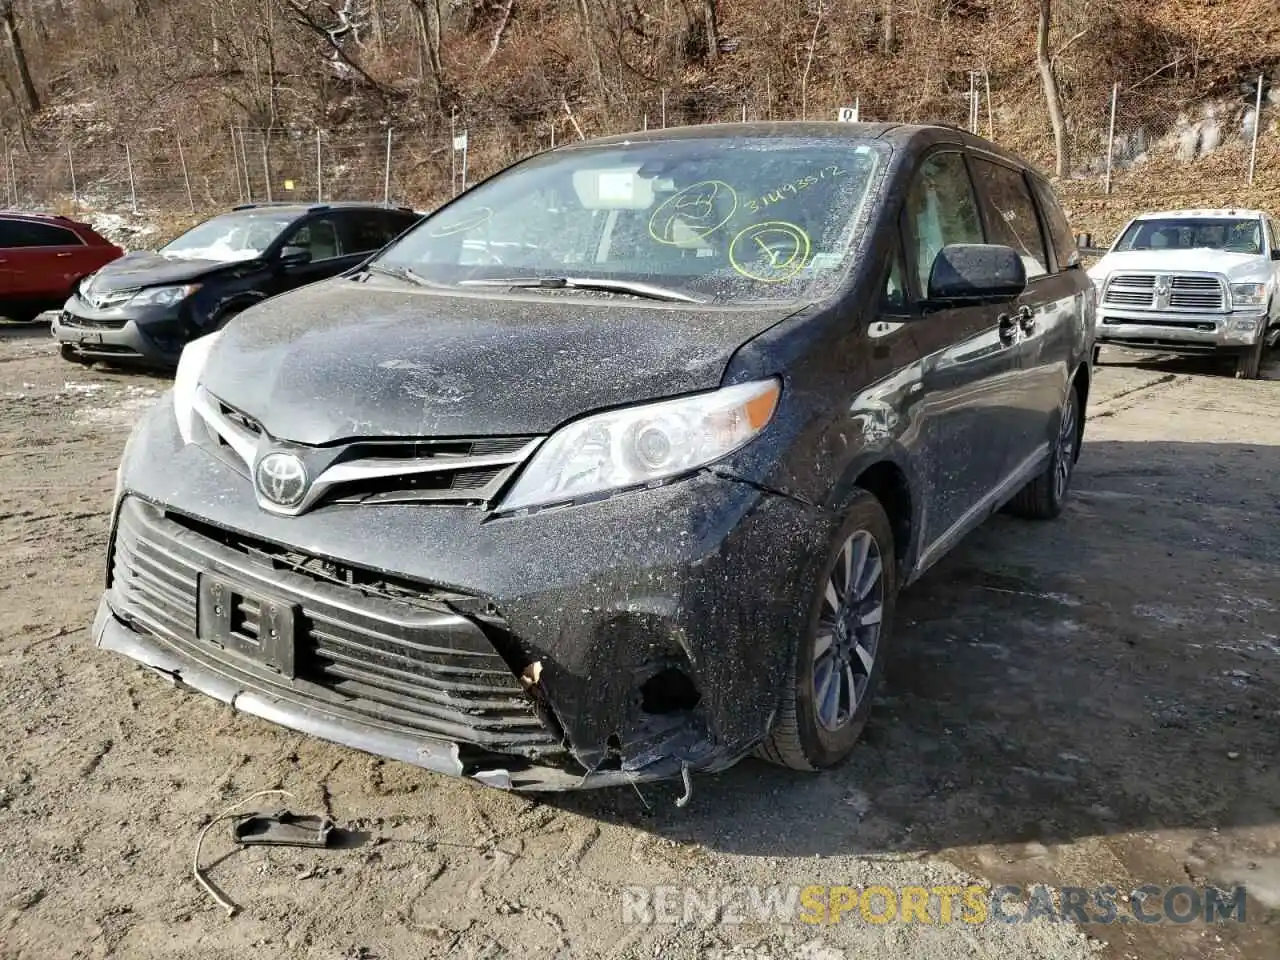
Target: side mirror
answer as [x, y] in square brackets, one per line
[294, 256]
[1275, 253]
[1084, 241]
[976, 272]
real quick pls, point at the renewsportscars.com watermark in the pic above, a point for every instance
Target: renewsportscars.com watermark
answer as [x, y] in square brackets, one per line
[938, 905]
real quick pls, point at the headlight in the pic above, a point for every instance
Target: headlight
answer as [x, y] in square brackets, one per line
[1248, 294]
[190, 366]
[638, 445]
[164, 296]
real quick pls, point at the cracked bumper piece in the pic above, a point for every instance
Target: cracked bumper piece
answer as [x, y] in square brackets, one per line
[592, 645]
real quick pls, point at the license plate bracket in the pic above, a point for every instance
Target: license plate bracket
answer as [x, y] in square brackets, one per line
[90, 337]
[260, 627]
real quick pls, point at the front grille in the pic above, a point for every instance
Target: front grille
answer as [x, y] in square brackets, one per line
[468, 471]
[366, 648]
[1181, 292]
[71, 320]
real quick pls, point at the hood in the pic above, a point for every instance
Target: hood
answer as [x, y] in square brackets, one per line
[342, 359]
[146, 268]
[1235, 266]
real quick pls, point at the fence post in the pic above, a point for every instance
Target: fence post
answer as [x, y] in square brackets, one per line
[553, 134]
[319, 170]
[1257, 125]
[133, 189]
[744, 111]
[13, 178]
[266, 160]
[386, 173]
[186, 177]
[991, 120]
[235, 164]
[1111, 133]
[664, 108]
[75, 194]
[453, 150]
[466, 147]
[973, 103]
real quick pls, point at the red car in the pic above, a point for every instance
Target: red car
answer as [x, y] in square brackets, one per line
[42, 258]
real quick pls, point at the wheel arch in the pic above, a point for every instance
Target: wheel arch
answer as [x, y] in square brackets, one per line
[888, 482]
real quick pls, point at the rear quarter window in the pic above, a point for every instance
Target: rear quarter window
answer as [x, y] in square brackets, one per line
[1061, 237]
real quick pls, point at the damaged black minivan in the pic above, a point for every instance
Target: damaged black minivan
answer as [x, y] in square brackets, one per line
[612, 468]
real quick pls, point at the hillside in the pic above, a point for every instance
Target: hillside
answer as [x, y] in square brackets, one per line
[299, 78]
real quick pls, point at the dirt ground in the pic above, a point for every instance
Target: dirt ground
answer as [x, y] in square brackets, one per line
[1090, 701]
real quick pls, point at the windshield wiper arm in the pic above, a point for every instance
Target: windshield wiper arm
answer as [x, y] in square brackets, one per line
[647, 290]
[401, 273]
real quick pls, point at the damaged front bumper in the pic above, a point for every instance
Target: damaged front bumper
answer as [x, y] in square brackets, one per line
[591, 645]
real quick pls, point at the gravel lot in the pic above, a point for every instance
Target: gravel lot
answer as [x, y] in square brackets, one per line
[1091, 701]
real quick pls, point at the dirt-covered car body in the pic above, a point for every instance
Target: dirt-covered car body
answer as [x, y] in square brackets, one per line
[560, 531]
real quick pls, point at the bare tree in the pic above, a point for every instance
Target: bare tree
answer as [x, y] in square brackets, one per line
[8, 18]
[887, 39]
[1052, 95]
[711, 29]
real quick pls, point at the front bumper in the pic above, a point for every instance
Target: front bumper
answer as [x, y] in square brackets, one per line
[153, 336]
[661, 621]
[1178, 332]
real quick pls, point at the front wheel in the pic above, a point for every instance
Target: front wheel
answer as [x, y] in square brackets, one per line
[1249, 364]
[1043, 497]
[69, 352]
[837, 663]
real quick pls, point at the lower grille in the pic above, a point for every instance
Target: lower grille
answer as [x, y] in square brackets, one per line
[410, 661]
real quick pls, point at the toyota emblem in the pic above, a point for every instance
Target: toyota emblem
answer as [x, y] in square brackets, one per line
[282, 479]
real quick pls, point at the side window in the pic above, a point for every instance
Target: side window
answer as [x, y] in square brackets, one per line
[24, 233]
[1012, 214]
[364, 231]
[1060, 235]
[941, 210]
[318, 236]
[8, 233]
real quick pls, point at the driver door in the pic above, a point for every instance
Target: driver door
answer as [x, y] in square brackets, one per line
[969, 364]
[319, 237]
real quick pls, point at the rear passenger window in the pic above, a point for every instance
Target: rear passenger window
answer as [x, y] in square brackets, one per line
[941, 210]
[22, 233]
[365, 232]
[1061, 238]
[1011, 214]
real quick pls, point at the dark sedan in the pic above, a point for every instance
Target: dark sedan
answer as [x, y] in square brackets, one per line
[612, 468]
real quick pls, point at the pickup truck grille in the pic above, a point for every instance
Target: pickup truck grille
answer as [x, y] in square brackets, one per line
[1165, 292]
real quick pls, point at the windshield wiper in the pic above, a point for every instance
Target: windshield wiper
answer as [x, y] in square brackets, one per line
[646, 290]
[401, 273]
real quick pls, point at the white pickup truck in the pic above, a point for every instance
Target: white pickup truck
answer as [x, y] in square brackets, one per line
[1192, 282]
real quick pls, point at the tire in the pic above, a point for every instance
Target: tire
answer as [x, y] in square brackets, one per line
[801, 739]
[1043, 497]
[1249, 364]
[1097, 356]
[68, 352]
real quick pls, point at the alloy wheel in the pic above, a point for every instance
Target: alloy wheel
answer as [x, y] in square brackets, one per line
[1065, 459]
[848, 633]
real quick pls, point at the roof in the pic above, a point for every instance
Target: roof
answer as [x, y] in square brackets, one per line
[40, 217]
[299, 207]
[1224, 212]
[895, 134]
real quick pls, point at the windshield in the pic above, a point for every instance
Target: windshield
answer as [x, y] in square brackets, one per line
[232, 236]
[1209, 233]
[714, 218]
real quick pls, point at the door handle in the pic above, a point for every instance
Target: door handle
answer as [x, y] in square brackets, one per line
[1008, 328]
[60, 255]
[1026, 318]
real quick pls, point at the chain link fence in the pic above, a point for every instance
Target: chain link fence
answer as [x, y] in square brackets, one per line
[157, 171]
